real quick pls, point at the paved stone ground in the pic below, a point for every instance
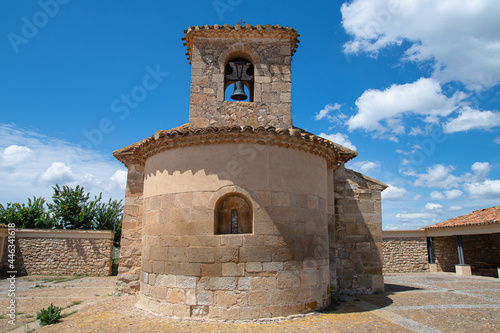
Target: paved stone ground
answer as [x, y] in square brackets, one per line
[412, 303]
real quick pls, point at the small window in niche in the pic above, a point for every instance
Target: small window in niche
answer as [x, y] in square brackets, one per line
[239, 80]
[233, 215]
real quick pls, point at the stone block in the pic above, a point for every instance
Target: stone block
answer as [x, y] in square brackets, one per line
[263, 283]
[159, 267]
[186, 282]
[201, 255]
[464, 270]
[272, 266]
[250, 312]
[285, 97]
[233, 269]
[191, 269]
[253, 240]
[308, 277]
[214, 269]
[255, 253]
[178, 254]
[221, 283]
[175, 296]
[230, 298]
[259, 297]
[254, 267]
[182, 311]
[231, 240]
[158, 292]
[158, 253]
[166, 281]
[226, 254]
[204, 297]
[190, 295]
[288, 279]
[280, 199]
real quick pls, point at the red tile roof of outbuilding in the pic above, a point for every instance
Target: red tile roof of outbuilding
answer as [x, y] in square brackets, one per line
[478, 217]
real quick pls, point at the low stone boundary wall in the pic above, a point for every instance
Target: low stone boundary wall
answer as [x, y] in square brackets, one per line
[405, 251]
[62, 252]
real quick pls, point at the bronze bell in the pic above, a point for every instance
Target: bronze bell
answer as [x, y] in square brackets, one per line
[239, 91]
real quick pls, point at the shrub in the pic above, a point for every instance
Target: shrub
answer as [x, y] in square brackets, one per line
[49, 316]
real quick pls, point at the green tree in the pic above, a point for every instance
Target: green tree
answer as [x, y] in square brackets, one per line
[109, 217]
[72, 208]
[31, 215]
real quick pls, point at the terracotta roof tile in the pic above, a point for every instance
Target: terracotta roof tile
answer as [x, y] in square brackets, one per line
[478, 217]
[226, 30]
[184, 133]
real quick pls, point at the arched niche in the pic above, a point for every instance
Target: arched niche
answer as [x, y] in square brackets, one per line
[233, 215]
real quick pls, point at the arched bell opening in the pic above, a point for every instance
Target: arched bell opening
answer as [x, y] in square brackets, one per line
[239, 78]
[233, 215]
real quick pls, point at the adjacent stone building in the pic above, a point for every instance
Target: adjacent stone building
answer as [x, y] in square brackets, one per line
[466, 244]
[239, 214]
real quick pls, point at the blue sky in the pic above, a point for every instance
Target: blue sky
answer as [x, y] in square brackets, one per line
[412, 85]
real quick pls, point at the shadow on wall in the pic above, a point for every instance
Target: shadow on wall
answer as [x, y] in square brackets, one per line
[358, 233]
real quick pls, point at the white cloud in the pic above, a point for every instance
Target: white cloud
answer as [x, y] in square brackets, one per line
[453, 194]
[434, 207]
[458, 37]
[439, 176]
[416, 131]
[14, 154]
[365, 166]
[393, 193]
[455, 208]
[38, 162]
[417, 197]
[415, 216]
[476, 185]
[57, 173]
[470, 119]
[339, 138]
[392, 227]
[481, 170]
[487, 189]
[327, 112]
[119, 178]
[436, 195]
[497, 140]
[382, 111]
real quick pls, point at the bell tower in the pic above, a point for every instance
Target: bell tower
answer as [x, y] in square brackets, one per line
[241, 75]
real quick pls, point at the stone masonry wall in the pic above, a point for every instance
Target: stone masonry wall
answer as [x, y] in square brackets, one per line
[482, 248]
[280, 269]
[129, 268]
[358, 231]
[62, 256]
[272, 105]
[405, 255]
[445, 253]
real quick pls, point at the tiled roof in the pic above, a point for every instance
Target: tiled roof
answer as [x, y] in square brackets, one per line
[478, 217]
[184, 136]
[226, 30]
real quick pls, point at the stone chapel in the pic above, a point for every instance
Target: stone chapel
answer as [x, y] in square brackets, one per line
[239, 214]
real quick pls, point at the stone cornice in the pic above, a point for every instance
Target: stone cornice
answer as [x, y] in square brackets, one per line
[293, 138]
[238, 31]
[64, 233]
